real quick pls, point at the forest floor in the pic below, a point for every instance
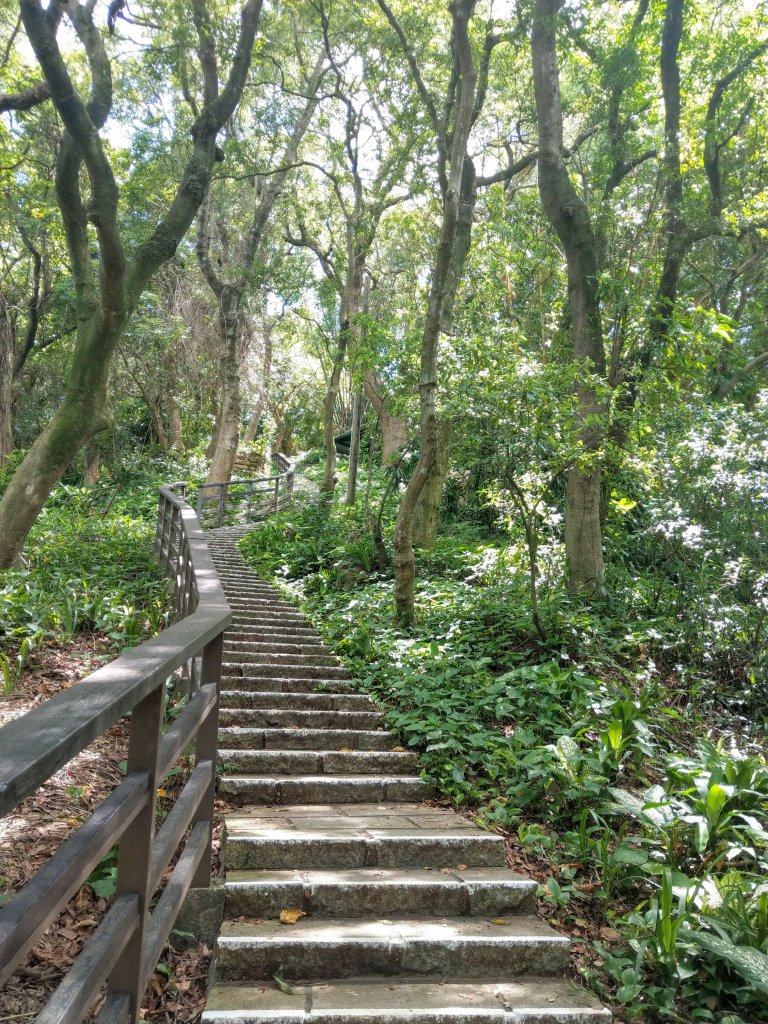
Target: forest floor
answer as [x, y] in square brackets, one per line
[41, 823]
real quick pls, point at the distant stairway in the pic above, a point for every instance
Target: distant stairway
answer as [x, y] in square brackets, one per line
[410, 913]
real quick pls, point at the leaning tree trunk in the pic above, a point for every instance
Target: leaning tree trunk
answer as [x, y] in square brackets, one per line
[77, 418]
[394, 429]
[570, 219]
[107, 290]
[426, 515]
[223, 460]
[6, 382]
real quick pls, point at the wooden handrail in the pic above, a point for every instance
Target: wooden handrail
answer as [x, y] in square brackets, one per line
[123, 950]
[244, 501]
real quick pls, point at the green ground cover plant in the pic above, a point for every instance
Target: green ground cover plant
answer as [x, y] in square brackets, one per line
[89, 566]
[626, 747]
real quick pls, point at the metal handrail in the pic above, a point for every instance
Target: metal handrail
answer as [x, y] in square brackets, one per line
[240, 501]
[123, 950]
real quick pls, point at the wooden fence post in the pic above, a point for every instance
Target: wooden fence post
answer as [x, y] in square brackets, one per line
[135, 853]
[206, 750]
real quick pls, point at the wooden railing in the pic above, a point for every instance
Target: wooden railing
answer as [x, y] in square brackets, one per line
[126, 946]
[243, 501]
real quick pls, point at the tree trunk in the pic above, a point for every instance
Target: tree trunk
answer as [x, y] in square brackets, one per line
[354, 448]
[225, 452]
[328, 486]
[570, 219]
[91, 464]
[76, 420]
[403, 560]
[175, 424]
[426, 515]
[394, 429]
[266, 373]
[6, 382]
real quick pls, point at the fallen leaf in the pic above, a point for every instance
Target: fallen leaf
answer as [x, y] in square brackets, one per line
[610, 934]
[461, 867]
[499, 920]
[291, 915]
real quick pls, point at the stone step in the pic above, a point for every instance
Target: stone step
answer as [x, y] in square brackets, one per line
[281, 634]
[258, 604]
[298, 648]
[442, 946]
[299, 843]
[304, 701]
[264, 718]
[234, 665]
[246, 618]
[321, 762]
[283, 684]
[305, 739]
[380, 892]
[240, 653]
[407, 1000]
[321, 789]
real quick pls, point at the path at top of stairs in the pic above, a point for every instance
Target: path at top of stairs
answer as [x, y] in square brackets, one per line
[410, 912]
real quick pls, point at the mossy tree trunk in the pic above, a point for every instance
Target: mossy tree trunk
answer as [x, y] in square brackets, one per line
[107, 296]
[570, 219]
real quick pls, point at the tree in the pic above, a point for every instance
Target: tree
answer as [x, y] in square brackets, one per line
[106, 296]
[570, 219]
[230, 294]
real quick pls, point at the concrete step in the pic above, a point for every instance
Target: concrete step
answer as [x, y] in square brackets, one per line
[442, 946]
[305, 739]
[297, 648]
[380, 892]
[299, 843]
[320, 762]
[239, 653]
[283, 684]
[258, 604]
[234, 713]
[407, 1000]
[234, 665]
[321, 789]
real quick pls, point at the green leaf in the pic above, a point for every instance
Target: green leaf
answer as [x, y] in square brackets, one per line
[749, 962]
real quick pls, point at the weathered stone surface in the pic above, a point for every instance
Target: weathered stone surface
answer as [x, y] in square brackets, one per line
[316, 948]
[201, 915]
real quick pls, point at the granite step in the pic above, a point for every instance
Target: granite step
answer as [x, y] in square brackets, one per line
[287, 789]
[326, 841]
[412, 1000]
[284, 670]
[240, 653]
[234, 713]
[435, 946]
[287, 684]
[297, 647]
[302, 701]
[380, 892]
[278, 634]
[305, 739]
[318, 762]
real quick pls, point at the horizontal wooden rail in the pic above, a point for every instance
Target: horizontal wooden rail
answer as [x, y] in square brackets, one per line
[244, 501]
[125, 947]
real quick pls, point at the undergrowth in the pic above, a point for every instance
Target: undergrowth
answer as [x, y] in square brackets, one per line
[626, 747]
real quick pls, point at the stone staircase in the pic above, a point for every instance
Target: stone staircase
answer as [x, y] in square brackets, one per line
[410, 914]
